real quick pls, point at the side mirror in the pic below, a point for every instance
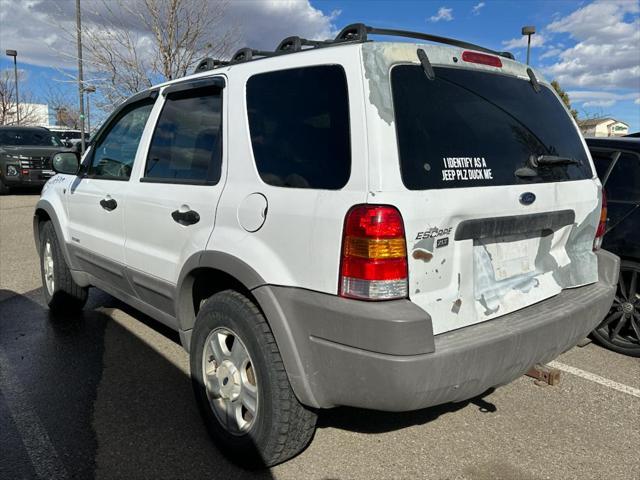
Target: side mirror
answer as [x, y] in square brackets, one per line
[65, 162]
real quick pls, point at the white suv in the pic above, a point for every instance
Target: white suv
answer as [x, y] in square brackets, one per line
[380, 225]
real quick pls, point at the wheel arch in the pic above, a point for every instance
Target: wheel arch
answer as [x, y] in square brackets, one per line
[208, 272]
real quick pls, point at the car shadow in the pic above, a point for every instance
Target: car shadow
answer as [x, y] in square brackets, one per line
[112, 403]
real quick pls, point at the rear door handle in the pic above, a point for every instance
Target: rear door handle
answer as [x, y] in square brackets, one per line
[188, 217]
[108, 204]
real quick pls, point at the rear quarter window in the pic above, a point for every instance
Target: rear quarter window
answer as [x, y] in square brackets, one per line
[299, 127]
[468, 128]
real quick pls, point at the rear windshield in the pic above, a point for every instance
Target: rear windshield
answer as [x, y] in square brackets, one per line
[26, 137]
[467, 129]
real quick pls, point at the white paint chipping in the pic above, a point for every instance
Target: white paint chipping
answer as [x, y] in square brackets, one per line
[43, 455]
[621, 387]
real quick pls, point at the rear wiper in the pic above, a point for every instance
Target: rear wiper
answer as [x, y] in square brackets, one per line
[552, 160]
[536, 161]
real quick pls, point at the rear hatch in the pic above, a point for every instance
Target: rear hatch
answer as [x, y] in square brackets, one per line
[499, 201]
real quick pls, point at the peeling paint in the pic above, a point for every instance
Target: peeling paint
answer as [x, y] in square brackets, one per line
[423, 250]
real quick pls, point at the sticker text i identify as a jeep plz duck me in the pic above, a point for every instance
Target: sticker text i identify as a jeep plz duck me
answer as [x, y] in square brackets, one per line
[465, 168]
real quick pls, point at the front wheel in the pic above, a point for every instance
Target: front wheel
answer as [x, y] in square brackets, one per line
[241, 385]
[620, 329]
[61, 293]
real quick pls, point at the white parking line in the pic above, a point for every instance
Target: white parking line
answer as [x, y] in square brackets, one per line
[621, 387]
[41, 451]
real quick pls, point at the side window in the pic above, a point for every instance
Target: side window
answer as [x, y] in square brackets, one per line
[115, 151]
[299, 126]
[186, 146]
[623, 183]
[601, 160]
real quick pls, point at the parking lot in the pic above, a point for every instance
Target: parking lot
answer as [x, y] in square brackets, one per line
[107, 395]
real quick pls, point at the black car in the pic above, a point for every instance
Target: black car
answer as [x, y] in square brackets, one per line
[617, 161]
[25, 156]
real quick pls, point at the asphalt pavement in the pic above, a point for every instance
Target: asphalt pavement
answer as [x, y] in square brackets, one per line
[107, 395]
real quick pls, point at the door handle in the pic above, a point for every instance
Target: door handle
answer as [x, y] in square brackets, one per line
[108, 204]
[186, 218]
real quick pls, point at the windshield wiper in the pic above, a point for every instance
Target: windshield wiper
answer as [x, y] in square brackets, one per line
[426, 64]
[552, 160]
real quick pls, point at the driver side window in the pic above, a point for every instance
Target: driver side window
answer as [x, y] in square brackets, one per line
[115, 151]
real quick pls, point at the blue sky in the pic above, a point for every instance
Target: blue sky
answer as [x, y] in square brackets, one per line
[591, 47]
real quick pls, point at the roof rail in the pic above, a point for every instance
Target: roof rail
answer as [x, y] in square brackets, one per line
[354, 33]
[359, 32]
[209, 63]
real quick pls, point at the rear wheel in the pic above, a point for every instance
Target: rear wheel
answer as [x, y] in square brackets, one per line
[241, 385]
[61, 293]
[620, 330]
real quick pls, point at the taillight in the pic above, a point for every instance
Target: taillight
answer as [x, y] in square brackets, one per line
[374, 254]
[481, 58]
[602, 225]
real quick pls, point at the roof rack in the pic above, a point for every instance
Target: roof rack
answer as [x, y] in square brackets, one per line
[354, 33]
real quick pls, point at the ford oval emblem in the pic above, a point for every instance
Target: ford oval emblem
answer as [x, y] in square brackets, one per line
[527, 198]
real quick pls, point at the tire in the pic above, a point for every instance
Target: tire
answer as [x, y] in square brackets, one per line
[620, 329]
[61, 293]
[281, 427]
[4, 190]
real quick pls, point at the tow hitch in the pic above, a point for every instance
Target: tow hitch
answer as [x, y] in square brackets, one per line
[544, 375]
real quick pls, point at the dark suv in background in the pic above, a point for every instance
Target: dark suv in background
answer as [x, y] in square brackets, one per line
[25, 156]
[617, 161]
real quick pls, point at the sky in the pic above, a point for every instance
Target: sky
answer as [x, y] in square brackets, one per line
[591, 47]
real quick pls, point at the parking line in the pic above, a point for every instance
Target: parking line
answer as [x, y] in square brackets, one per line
[41, 451]
[621, 387]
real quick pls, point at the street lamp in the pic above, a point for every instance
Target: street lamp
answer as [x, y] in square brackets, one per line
[89, 89]
[528, 31]
[14, 54]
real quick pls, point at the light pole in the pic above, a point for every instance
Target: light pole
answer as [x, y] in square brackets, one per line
[80, 79]
[528, 31]
[14, 54]
[88, 90]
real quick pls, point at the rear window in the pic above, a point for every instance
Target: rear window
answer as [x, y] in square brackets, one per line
[299, 125]
[468, 129]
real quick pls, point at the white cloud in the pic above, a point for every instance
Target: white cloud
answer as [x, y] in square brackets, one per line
[551, 52]
[537, 40]
[444, 13]
[36, 28]
[600, 98]
[476, 8]
[606, 53]
[599, 103]
[637, 101]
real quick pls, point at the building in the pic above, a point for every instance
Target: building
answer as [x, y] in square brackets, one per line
[33, 114]
[603, 127]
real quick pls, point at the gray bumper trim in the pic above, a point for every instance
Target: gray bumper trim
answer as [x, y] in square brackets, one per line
[329, 370]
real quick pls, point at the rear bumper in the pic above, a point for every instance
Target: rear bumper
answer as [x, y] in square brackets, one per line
[394, 363]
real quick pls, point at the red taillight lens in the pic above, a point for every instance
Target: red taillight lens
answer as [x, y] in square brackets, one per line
[602, 225]
[481, 58]
[374, 254]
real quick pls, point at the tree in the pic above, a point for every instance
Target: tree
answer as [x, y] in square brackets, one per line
[131, 45]
[564, 96]
[8, 101]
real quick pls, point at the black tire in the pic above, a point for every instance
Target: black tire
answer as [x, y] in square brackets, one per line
[282, 427]
[3, 188]
[620, 329]
[66, 295]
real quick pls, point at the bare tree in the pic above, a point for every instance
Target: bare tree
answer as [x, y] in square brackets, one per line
[130, 45]
[8, 110]
[65, 105]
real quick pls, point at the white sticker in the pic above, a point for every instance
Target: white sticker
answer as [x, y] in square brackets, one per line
[465, 169]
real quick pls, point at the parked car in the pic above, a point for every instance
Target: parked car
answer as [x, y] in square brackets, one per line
[380, 225]
[617, 161]
[70, 136]
[25, 156]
